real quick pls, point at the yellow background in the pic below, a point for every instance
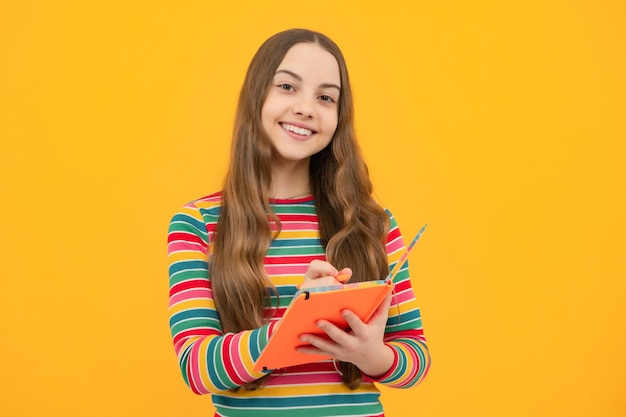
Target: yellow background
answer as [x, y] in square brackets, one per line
[502, 124]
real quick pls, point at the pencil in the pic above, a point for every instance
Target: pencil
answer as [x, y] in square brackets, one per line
[396, 268]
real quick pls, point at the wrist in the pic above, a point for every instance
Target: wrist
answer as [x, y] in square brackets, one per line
[379, 364]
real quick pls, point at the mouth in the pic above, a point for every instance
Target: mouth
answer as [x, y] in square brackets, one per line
[302, 131]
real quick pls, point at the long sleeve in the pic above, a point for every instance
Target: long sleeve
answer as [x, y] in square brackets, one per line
[404, 332]
[210, 361]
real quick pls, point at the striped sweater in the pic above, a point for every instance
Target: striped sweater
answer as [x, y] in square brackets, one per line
[214, 362]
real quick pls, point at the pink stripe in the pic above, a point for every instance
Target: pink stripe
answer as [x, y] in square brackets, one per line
[299, 226]
[194, 366]
[213, 198]
[404, 296]
[395, 245]
[286, 269]
[413, 358]
[178, 246]
[235, 354]
[189, 294]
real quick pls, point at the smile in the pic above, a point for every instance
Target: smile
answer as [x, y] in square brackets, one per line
[295, 129]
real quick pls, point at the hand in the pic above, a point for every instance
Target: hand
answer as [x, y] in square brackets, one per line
[323, 274]
[362, 345]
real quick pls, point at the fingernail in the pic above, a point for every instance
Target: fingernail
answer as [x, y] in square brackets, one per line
[342, 277]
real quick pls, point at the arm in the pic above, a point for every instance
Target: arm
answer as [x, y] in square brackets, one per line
[210, 361]
[404, 333]
[390, 347]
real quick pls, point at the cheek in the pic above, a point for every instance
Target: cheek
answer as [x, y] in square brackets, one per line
[267, 114]
[267, 109]
[331, 125]
[273, 100]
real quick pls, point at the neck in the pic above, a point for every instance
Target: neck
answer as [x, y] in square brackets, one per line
[290, 181]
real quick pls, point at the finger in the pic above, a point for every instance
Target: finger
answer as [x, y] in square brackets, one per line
[379, 317]
[344, 275]
[336, 335]
[356, 324]
[342, 278]
[317, 345]
[318, 268]
[311, 350]
[327, 281]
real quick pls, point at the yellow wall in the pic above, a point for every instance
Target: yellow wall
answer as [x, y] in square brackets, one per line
[500, 123]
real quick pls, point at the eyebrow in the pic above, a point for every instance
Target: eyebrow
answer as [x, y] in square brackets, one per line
[299, 78]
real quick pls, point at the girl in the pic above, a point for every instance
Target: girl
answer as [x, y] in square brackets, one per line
[295, 207]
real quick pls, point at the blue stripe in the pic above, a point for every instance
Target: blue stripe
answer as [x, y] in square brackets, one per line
[254, 343]
[183, 222]
[403, 317]
[212, 351]
[194, 313]
[211, 211]
[295, 242]
[186, 265]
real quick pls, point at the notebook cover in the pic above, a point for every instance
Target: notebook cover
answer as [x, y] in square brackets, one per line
[313, 304]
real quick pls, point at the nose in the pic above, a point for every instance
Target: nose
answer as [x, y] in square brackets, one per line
[303, 107]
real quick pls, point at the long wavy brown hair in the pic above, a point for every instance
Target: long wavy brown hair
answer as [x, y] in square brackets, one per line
[353, 226]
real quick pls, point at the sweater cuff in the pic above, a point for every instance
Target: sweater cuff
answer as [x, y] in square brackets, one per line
[271, 326]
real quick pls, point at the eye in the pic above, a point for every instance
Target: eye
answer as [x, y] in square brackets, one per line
[286, 86]
[327, 99]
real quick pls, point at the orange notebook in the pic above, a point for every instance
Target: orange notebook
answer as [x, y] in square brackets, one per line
[312, 304]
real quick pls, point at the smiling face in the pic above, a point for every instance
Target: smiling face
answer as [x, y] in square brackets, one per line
[299, 114]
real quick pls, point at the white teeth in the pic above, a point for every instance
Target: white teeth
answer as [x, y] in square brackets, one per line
[298, 130]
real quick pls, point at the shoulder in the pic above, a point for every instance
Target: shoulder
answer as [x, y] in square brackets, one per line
[207, 204]
[204, 210]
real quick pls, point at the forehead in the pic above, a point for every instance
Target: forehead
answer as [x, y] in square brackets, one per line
[311, 60]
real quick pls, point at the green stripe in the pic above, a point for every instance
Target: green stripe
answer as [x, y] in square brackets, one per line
[187, 275]
[298, 208]
[298, 250]
[197, 323]
[315, 406]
